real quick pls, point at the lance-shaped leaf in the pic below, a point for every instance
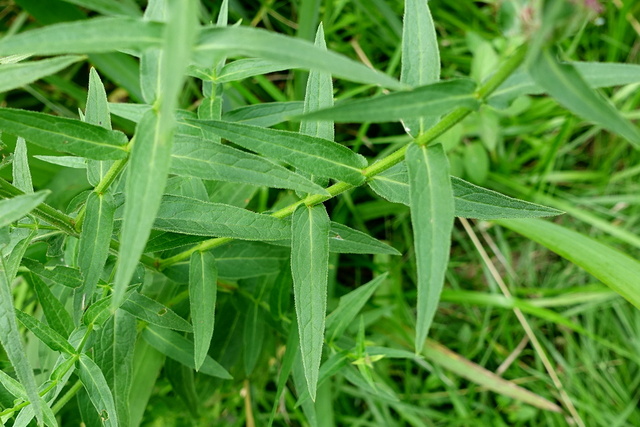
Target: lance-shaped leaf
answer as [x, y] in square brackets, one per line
[153, 312]
[98, 390]
[471, 201]
[431, 100]
[16, 75]
[60, 274]
[346, 240]
[203, 290]
[21, 171]
[85, 36]
[254, 42]
[197, 158]
[565, 84]
[309, 267]
[64, 135]
[313, 155]
[113, 353]
[180, 349]
[249, 67]
[57, 316]
[97, 113]
[614, 268]
[420, 55]
[10, 340]
[265, 114]
[95, 239]
[190, 216]
[17, 207]
[46, 334]
[595, 74]
[432, 215]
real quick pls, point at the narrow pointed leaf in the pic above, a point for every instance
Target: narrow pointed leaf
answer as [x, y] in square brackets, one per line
[314, 155]
[44, 333]
[113, 353]
[98, 390]
[349, 307]
[254, 42]
[57, 316]
[346, 240]
[151, 311]
[431, 100]
[12, 344]
[203, 289]
[18, 207]
[292, 350]
[13, 76]
[60, 274]
[85, 36]
[21, 172]
[471, 201]
[309, 266]
[97, 113]
[420, 55]
[64, 135]
[565, 84]
[253, 336]
[249, 67]
[180, 349]
[432, 215]
[265, 114]
[614, 268]
[95, 239]
[191, 157]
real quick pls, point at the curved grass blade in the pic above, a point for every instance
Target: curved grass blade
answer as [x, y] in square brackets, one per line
[18, 207]
[194, 157]
[64, 135]
[432, 215]
[565, 84]
[95, 238]
[420, 55]
[155, 313]
[85, 36]
[203, 288]
[471, 201]
[98, 390]
[254, 42]
[44, 333]
[431, 100]
[180, 349]
[13, 76]
[314, 155]
[12, 344]
[614, 268]
[309, 267]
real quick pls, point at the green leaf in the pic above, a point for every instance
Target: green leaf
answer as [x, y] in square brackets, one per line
[21, 172]
[190, 216]
[254, 42]
[13, 76]
[614, 268]
[153, 312]
[95, 239]
[292, 350]
[565, 84]
[309, 266]
[249, 67]
[595, 74]
[241, 260]
[60, 274]
[17, 207]
[349, 307]
[314, 155]
[431, 100]
[98, 390]
[420, 55]
[110, 7]
[57, 316]
[265, 114]
[253, 336]
[113, 353]
[10, 340]
[64, 135]
[44, 333]
[432, 215]
[151, 155]
[12, 261]
[471, 201]
[85, 36]
[203, 289]
[346, 240]
[201, 159]
[180, 349]
[97, 113]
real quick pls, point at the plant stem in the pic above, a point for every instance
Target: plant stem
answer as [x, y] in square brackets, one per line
[67, 397]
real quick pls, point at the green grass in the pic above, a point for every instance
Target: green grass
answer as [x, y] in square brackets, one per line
[538, 319]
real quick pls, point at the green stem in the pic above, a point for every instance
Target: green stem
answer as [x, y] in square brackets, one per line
[67, 397]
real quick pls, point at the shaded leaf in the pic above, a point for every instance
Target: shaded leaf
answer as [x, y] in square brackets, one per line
[203, 288]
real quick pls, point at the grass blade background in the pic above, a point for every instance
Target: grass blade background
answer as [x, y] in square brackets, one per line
[432, 215]
[203, 288]
[614, 268]
[420, 55]
[566, 85]
[309, 267]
